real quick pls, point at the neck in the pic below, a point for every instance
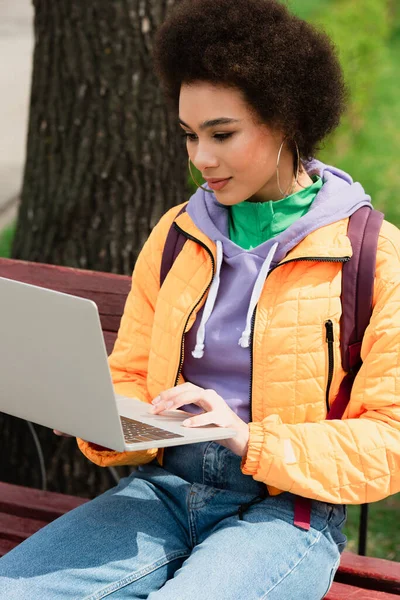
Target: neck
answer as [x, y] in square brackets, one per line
[272, 191]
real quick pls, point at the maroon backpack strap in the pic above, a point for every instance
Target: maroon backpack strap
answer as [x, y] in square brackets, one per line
[302, 512]
[357, 294]
[173, 245]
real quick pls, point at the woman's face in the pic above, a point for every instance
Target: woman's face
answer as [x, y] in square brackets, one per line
[240, 148]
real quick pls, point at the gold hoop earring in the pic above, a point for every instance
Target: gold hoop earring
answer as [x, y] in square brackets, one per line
[277, 169]
[296, 181]
[198, 185]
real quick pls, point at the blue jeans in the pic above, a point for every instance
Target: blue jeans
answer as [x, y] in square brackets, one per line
[174, 533]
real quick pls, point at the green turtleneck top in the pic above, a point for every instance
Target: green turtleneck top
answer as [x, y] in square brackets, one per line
[253, 223]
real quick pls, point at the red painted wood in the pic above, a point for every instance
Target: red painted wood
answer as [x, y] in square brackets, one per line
[95, 281]
[373, 573]
[107, 290]
[341, 591]
[6, 545]
[35, 504]
[109, 338]
[18, 528]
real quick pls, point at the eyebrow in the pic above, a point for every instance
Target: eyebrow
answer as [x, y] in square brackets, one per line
[212, 122]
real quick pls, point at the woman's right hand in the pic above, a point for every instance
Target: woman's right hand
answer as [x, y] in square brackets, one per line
[61, 433]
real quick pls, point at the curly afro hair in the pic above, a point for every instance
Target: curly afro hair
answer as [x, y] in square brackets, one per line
[286, 69]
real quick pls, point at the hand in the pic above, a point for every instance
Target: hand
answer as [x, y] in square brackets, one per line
[61, 433]
[216, 411]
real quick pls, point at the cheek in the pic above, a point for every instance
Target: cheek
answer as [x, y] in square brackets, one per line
[244, 156]
[255, 158]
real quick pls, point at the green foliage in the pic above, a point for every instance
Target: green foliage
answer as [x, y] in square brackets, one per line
[383, 538]
[360, 31]
[367, 144]
[374, 155]
[306, 9]
[6, 238]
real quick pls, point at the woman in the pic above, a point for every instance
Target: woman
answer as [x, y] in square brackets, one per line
[236, 336]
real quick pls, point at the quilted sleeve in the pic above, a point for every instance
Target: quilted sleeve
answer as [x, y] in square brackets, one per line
[357, 459]
[129, 358]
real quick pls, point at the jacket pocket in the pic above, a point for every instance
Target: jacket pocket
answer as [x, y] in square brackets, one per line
[331, 359]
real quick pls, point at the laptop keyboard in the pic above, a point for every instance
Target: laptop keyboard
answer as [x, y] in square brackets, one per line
[135, 431]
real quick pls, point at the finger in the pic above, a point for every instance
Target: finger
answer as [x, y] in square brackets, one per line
[172, 393]
[202, 399]
[57, 432]
[208, 418]
[177, 402]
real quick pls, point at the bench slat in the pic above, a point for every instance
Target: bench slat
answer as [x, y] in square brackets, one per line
[64, 277]
[341, 591]
[107, 290]
[109, 339]
[371, 573]
[18, 528]
[6, 546]
[36, 504]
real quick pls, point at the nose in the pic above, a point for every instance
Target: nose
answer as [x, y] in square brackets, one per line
[203, 159]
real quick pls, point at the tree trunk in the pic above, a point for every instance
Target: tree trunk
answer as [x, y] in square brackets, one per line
[104, 158]
[104, 162]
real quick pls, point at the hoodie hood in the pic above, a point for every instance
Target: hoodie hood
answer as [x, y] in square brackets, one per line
[338, 198]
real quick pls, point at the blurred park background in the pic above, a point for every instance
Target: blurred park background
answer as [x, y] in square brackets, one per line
[90, 157]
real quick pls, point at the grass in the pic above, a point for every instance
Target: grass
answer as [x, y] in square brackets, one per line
[383, 538]
[373, 159]
[6, 238]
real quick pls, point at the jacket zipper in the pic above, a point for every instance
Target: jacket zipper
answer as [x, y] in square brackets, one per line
[311, 258]
[182, 354]
[331, 363]
[253, 319]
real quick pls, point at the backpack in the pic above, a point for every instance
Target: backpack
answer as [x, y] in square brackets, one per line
[358, 276]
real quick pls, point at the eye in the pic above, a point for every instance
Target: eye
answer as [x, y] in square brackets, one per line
[222, 136]
[191, 137]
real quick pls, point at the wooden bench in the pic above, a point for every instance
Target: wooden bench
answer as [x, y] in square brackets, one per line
[25, 510]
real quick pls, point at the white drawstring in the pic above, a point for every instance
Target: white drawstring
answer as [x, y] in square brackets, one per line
[198, 351]
[244, 341]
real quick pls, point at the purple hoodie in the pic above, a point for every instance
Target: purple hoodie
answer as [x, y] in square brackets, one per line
[217, 352]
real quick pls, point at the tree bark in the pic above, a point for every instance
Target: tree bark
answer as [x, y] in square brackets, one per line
[104, 158]
[104, 162]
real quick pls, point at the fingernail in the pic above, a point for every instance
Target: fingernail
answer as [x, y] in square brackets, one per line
[187, 422]
[156, 400]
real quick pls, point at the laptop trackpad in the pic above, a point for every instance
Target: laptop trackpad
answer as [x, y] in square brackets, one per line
[135, 409]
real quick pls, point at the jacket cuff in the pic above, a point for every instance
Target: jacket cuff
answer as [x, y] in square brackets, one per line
[111, 458]
[251, 461]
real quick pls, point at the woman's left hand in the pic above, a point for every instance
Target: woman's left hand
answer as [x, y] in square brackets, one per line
[217, 412]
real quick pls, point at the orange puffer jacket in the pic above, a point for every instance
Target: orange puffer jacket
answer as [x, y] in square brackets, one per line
[292, 447]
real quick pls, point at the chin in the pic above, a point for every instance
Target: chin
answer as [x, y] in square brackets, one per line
[228, 199]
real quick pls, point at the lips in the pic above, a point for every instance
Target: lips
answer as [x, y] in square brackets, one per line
[216, 180]
[218, 184]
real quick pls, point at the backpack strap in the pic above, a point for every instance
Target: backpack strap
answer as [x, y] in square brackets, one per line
[358, 276]
[173, 245]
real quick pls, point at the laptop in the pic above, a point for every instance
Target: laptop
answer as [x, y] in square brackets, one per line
[54, 372]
